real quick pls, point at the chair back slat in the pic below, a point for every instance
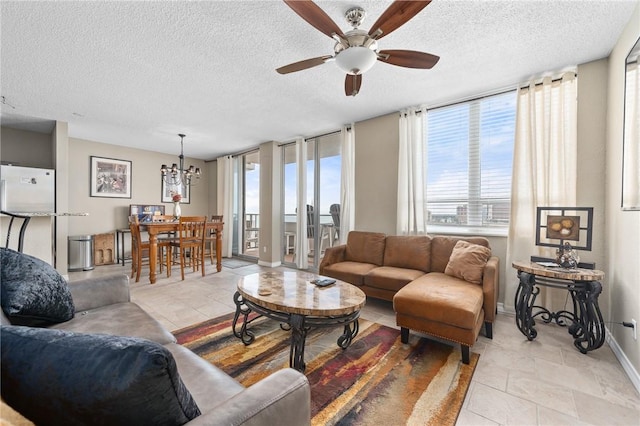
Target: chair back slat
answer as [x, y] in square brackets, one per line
[134, 226]
[192, 229]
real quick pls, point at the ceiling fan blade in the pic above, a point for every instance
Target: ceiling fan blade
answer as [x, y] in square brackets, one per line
[395, 16]
[352, 84]
[408, 58]
[311, 12]
[303, 65]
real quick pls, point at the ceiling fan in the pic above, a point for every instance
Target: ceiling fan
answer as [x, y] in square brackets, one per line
[357, 50]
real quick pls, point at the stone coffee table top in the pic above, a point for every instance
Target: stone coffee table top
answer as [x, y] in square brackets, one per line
[293, 292]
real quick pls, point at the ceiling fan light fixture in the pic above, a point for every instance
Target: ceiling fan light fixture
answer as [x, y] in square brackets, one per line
[356, 60]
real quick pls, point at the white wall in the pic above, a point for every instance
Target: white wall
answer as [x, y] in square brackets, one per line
[622, 237]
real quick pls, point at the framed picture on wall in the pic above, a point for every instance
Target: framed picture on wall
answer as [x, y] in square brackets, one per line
[168, 191]
[109, 178]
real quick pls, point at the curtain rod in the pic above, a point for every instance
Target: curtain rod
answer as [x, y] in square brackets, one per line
[322, 135]
[575, 74]
[315, 137]
[511, 89]
[246, 151]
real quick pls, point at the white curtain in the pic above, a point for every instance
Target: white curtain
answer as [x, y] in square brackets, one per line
[225, 202]
[411, 175]
[347, 193]
[631, 168]
[302, 244]
[544, 172]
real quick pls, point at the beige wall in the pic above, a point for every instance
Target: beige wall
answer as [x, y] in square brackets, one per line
[270, 237]
[60, 143]
[27, 149]
[109, 214]
[376, 174]
[622, 236]
[592, 110]
[211, 176]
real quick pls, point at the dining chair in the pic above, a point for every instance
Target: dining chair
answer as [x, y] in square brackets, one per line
[138, 248]
[165, 237]
[334, 210]
[191, 239]
[210, 240]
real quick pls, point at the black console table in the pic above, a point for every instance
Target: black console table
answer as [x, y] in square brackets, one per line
[120, 256]
[585, 322]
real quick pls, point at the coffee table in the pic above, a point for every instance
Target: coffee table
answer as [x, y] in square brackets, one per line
[299, 305]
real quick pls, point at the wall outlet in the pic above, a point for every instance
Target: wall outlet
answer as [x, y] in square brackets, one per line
[635, 329]
[264, 249]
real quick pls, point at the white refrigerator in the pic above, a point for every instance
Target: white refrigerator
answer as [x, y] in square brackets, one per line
[27, 190]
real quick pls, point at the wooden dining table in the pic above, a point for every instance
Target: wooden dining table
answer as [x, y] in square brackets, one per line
[155, 228]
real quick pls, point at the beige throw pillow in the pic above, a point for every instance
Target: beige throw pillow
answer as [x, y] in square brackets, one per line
[467, 261]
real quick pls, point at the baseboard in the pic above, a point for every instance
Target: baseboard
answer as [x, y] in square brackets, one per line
[503, 310]
[269, 264]
[624, 361]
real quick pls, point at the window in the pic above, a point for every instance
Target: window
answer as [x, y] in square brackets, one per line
[469, 161]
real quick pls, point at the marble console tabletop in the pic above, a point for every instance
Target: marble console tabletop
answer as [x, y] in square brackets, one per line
[577, 274]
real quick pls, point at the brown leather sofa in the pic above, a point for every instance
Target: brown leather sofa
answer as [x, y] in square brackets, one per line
[437, 286]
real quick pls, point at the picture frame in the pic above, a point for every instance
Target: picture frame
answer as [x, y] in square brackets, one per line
[555, 225]
[109, 177]
[146, 212]
[169, 190]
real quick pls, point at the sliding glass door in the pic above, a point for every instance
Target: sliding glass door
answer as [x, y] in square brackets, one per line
[323, 169]
[249, 223]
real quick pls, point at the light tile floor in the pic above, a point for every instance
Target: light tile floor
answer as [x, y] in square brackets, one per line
[517, 382]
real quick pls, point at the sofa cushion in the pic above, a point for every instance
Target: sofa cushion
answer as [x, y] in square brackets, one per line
[351, 272]
[32, 291]
[408, 251]
[59, 377]
[365, 247]
[441, 248]
[441, 298]
[390, 277]
[120, 319]
[467, 261]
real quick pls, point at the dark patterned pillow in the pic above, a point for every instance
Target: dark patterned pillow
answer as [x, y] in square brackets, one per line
[32, 291]
[58, 377]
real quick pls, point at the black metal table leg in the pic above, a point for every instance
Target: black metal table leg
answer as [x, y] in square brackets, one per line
[585, 322]
[298, 339]
[588, 330]
[298, 324]
[244, 334]
[350, 332]
[525, 298]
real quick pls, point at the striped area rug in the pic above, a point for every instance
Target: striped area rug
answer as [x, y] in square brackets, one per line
[375, 381]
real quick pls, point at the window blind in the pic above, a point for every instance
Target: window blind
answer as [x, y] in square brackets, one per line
[469, 161]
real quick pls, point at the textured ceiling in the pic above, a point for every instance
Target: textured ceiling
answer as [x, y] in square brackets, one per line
[139, 73]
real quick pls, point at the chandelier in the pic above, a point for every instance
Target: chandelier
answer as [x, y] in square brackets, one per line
[178, 175]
